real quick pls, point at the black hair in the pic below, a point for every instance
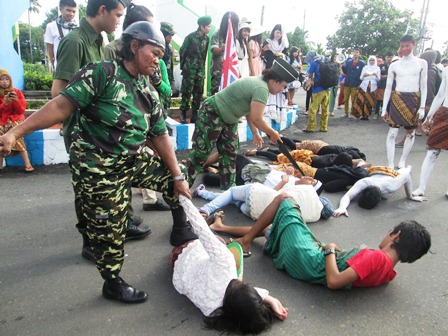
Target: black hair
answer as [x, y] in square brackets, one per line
[438, 57]
[408, 38]
[445, 60]
[268, 74]
[67, 3]
[359, 49]
[234, 18]
[257, 38]
[389, 53]
[413, 242]
[276, 27]
[136, 13]
[369, 197]
[291, 56]
[242, 40]
[243, 310]
[94, 5]
[343, 159]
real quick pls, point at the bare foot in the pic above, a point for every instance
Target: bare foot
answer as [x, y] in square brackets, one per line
[250, 152]
[218, 225]
[244, 246]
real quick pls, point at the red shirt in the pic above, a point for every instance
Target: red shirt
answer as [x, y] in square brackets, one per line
[14, 111]
[374, 268]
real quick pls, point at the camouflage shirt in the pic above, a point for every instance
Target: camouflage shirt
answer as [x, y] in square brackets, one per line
[116, 112]
[193, 54]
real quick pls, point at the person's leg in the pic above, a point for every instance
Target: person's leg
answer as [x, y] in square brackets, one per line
[227, 145]
[324, 106]
[341, 95]
[232, 195]
[237, 231]
[309, 94]
[390, 146]
[207, 130]
[347, 90]
[408, 144]
[26, 161]
[198, 91]
[353, 93]
[427, 167]
[186, 90]
[315, 103]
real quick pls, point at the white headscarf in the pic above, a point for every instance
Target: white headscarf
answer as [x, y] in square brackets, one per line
[371, 68]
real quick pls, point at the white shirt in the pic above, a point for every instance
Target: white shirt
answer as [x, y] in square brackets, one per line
[53, 37]
[205, 267]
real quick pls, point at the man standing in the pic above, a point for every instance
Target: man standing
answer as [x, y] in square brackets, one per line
[320, 97]
[379, 93]
[193, 54]
[168, 32]
[410, 76]
[57, 29]
[352, 71]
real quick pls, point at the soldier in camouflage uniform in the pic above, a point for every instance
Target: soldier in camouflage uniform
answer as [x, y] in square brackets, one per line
[167, 30]
[193, 54]
[218, 120]
[217, 48]
[116, 113]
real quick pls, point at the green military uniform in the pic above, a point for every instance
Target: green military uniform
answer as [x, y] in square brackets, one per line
[193, 54]
[216, 66]
[79, 47]
[217, 123]
[117, 113]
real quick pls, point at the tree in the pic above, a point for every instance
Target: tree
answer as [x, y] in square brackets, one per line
[32, 51]
[299, 39]
[374, 26]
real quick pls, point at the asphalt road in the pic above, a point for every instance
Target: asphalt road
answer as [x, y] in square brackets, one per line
[47, 288]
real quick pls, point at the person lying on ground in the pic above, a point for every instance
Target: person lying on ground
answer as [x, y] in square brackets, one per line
[381, 183]
[296, 250]
[205, 271]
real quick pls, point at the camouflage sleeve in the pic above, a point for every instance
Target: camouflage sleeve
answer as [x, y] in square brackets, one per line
[89, 82]
[157, 125]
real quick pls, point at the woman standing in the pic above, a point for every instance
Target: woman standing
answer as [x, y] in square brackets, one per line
[242, 49]
[274, 48]
[12, 108]
[255, 51]
[296, 63]
[218, 117]
[365, 98]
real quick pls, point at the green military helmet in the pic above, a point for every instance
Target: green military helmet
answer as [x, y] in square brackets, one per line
[145, 31]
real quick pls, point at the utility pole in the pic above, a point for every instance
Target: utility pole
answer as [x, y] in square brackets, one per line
[262, 16]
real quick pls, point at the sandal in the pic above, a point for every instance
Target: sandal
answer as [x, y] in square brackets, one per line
[197, 190]
[245, 254]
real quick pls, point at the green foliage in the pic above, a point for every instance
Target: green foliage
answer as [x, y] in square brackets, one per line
[375, 26]
[298, 39]
[37, 78]
[51, 16]
[36, 43]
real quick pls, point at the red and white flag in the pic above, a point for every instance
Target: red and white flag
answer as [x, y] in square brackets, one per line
[230, 71]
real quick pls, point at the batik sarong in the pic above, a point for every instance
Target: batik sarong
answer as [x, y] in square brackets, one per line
[364, 102]
[438, 135]
[403, 109]
[19, 146]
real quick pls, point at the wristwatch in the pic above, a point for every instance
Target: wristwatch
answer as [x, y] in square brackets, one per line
[329, 251]
[180, 177]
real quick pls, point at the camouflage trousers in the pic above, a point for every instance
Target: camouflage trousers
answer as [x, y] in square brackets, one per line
[192, 86]
[210, 129]
[102, 183]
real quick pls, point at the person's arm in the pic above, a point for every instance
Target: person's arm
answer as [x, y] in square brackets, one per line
[349, 195]
[50, 49]
[388, 92]
[282, 183]
[423, 89]
[53, 112]
[404, 179]
[164, 86]
[18, 102]
[257, 140]
[276, 306]
[57, 86]
[256, 115]
[363, 74]
[163, 147]
[438, 99]
[336, 279]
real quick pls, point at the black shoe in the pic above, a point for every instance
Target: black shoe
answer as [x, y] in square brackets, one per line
[181, 235]
[87, 252]
[158, 206]
[183, 117]
[135, 220]
[119, 290]
[134, 232]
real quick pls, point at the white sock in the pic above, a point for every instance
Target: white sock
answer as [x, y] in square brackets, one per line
[408, 143]
[427, 166]
[390, 146]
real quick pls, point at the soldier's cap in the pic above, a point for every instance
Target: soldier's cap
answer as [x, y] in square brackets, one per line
[125, 3]
[145, 31]
[167, 29]
[204, 20]
[284, 70]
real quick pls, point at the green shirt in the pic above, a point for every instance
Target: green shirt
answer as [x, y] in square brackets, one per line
[234, 101]
[117, 112]
[79, 47]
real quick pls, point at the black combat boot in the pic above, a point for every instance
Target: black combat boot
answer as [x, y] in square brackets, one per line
[87, 250]
[117, 289]
[182, 230]
[183, 117]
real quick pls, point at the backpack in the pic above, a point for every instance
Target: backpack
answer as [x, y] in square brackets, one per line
[329, 73]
